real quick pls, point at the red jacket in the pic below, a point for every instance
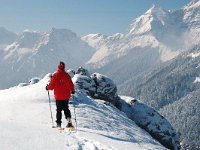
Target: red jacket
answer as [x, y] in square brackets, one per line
[62, 85]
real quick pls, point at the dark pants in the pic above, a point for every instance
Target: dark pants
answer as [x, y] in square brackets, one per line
[62, 105]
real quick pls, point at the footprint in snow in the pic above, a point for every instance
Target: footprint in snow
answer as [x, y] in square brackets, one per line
[80, 143]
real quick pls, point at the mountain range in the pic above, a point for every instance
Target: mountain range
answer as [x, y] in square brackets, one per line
[33, 53]
[153, 38]
[135, 52]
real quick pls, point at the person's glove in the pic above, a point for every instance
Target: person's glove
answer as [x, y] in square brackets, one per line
[47, 87]
[73, 92]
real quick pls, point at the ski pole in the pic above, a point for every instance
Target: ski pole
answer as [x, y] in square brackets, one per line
[51, 110]
[74, 111]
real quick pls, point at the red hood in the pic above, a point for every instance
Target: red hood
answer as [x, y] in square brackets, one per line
[61, 67]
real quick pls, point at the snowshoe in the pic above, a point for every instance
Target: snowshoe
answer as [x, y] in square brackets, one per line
[59, 127]
[69, 125]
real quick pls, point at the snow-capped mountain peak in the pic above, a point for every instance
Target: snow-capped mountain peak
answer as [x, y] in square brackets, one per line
[154, 18]
[94, 39]
[62, 34]
[29, 38]
[95, 36]
[156, 10]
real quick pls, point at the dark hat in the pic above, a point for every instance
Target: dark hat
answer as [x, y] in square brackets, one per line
[61, 65]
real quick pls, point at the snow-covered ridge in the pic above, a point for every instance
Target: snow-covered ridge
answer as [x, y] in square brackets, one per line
[192, 14]
[193, 4]
[154, 18]
[194, 55]
[100, 98]
[101, 87]
[98, 124]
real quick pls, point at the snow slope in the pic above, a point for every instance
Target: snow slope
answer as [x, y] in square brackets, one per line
[26, 125]
[99, 86]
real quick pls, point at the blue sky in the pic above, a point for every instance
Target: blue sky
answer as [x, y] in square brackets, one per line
[81, 16]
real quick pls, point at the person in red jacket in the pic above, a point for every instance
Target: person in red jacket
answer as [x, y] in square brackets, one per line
[63, 87]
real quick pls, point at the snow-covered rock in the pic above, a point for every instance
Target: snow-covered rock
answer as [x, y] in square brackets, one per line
[151, 121]
[105, 89]
[83, 71]
[31, 81]
[34, 80]
[22, 84]
[71, 72]
[97, 85]
[84, 83]
[101, 87]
